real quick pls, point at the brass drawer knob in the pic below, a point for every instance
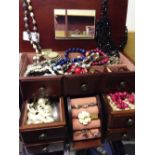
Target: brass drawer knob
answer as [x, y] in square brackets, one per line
[84, 87]
[45, 149]
[124, 136]
[122, 85]
[42, 136]
[130, 122]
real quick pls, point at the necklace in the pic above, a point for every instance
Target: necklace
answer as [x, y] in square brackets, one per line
[103, 34]
[34, 40]
[75, 50]
[122, 100]
[100, 59]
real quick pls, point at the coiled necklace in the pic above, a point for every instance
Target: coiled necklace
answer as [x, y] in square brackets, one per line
[103, 34]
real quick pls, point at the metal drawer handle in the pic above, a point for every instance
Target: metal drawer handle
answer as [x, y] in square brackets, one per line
[84, 87]
[45, 149]
[42, 136]
[124, 136]
[130, 122]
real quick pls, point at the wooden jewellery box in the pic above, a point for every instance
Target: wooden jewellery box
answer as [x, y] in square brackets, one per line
[63, 88]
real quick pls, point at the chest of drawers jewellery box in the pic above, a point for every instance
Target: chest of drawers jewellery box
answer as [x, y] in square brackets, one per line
[76, 85]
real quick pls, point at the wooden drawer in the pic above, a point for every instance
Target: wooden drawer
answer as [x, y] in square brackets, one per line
[85, 84]
[46, 147]
[30, 85]
[87, 144]
[72, 119]
[52, 134]
[120, 134]
[79, 144]
[119, 119]
[117, 82]
[43, 132]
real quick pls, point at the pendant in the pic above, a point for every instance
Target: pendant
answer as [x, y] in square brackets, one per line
[48, 54]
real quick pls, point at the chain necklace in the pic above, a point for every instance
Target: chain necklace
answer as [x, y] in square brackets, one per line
[103, 35]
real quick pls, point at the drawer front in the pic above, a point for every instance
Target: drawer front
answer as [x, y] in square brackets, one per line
[118, 82]
[30, 86]
[53, 134]
[81, 84]
[46, 148]
[121, 121]
[124, 134]
[87, 144]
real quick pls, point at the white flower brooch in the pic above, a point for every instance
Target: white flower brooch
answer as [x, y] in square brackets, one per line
[84, 117]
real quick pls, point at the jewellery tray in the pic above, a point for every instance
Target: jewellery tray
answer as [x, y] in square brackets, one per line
[88, 143]
[75, 85]
[84, 84]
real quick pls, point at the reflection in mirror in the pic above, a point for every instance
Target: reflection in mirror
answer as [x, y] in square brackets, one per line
[74, 24]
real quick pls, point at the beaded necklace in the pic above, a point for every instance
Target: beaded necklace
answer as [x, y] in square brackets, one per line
[103, 35]
[34, 41]
[75, 50]
[100, 59]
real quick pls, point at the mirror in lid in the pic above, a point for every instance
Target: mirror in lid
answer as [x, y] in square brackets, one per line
[74, 24]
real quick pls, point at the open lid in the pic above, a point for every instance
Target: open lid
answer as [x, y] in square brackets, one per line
[44, 14]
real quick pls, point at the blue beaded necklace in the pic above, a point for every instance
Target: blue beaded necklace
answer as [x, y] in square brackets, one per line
[75, 50]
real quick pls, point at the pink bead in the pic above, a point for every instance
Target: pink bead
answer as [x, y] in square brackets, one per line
[78, 70]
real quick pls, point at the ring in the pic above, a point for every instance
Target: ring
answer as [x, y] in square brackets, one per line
[86, 133]
[83, 106]
[85, 117]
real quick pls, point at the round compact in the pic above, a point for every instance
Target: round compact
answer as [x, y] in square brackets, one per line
[48, 54]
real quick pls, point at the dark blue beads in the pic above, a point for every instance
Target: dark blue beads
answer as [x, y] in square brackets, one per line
[63, 61]
[66, 59]
[72, 50]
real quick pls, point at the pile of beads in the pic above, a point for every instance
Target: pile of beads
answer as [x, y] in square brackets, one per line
[121, 100]
[40, 112]
[80, 65]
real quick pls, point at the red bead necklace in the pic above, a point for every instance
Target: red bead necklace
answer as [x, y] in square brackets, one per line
[119, 99]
